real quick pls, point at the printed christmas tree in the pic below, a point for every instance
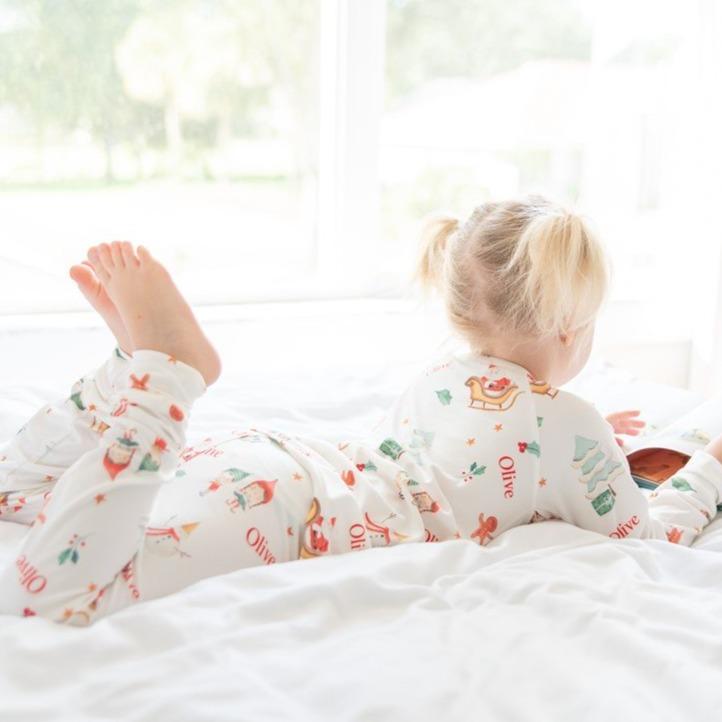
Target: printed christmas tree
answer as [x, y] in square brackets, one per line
[597, 467]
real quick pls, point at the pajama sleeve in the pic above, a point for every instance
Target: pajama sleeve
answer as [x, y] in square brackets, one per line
[597, 491]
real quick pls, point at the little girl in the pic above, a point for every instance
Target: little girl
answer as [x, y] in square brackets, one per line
[121, 511]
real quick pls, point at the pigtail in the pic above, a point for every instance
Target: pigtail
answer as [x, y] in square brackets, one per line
[563, 274]
[435, 235]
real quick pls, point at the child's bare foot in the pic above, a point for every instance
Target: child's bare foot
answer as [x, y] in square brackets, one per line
[155, 314]
[93, 290]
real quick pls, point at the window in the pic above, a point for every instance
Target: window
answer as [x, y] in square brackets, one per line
[190, 126]
[289, 148]
[595, 104]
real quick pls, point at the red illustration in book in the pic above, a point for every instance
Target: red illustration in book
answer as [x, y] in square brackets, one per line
[541, 387]
[314, 542]
[492, 394]
[425, 502]
[166, 541]
[381, 535]
[484, 530]
[120, 453]
[151, 461]
[253, 494]
[227, 476]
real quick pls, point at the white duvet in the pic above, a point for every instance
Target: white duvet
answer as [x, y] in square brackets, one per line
[548, 622]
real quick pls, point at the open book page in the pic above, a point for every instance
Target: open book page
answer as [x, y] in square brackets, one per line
[658, 454]
[690, 432]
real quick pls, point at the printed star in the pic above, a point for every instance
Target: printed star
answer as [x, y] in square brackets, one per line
[92, 407]
[457, 535]
[542, 482]
[92, 587]
[289, 531]
[172, 359]
[470, 442]
[498, 427]
[492, 367]
[49, 477]
[296, 476]
[405, 421]
[99, 498]
[67, 613]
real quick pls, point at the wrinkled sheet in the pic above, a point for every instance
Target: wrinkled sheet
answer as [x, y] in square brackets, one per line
[548, 622]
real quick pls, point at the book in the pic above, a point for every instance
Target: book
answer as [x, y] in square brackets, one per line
[659, 454]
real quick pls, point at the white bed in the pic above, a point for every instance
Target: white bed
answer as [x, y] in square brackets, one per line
[548, 622]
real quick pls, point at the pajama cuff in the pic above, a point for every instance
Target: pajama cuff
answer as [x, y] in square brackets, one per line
[708, 467]
[179, 380]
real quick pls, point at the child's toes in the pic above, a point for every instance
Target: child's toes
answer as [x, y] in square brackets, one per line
[143, 255]
[131, 260]
[116, 254]
[97, 265]
[106, 257]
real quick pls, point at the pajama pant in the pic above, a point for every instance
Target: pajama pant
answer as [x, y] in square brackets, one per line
[119, 509]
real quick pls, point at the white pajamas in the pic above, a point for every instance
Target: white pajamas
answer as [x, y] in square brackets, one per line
[121, 510]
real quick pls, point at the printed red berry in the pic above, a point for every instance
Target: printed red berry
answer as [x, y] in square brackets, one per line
[175, 413]
[522, 446]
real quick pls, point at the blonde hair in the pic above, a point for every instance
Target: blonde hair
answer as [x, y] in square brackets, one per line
[524, 267]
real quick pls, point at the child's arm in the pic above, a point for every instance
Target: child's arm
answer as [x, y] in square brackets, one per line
[598, 492]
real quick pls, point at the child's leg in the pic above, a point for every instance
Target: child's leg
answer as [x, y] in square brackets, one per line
[96, 519]
[54, 438]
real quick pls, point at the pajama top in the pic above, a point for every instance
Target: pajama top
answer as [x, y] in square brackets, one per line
[487, 447]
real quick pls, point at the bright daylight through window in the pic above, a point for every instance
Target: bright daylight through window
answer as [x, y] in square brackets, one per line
[281, 149]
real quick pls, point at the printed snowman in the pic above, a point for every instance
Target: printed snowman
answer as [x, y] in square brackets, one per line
[120, 453]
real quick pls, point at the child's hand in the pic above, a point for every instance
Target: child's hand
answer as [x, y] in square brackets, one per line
[623, 422]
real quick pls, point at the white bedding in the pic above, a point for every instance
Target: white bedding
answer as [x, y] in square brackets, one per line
[548, 622]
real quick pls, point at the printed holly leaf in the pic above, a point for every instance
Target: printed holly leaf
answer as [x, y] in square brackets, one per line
[444, 396]
[473, 466]
[539, 421]
[64, 556]
[74, 556]
[680, 483]
[479, 470]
